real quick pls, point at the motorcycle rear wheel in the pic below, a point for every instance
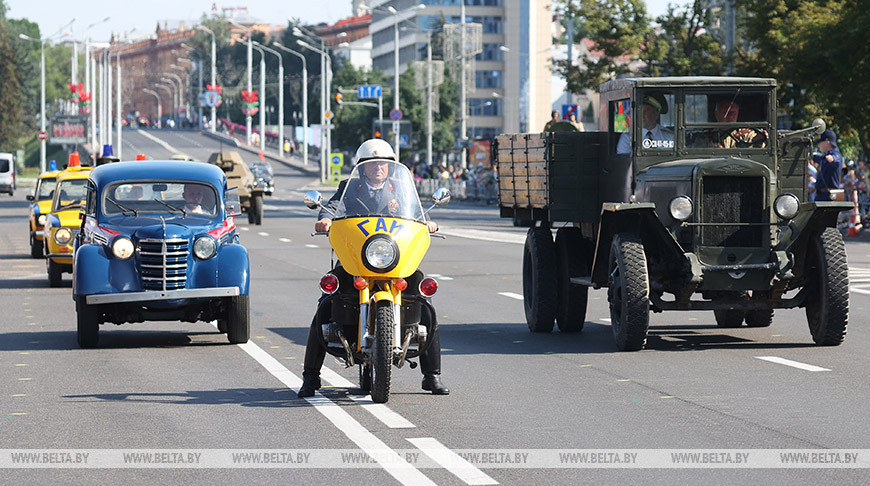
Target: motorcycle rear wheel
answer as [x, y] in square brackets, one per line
[382, 357]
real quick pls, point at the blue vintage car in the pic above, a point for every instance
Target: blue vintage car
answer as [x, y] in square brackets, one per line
[159, 243]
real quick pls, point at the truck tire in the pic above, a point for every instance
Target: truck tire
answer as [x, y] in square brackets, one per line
[728, 318]
[827, 275]
[257, 209]
[87, 324]
[572, 250]
[239, 319]
[35, 247]
[55, 274]
[759, 318]
[382, 357]
[628, 292]
[540, 279]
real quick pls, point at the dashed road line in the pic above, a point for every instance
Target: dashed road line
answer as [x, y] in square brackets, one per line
[285, 240]
[380, 411]
[511, 295]
[263, 233]
[442, 277]
[311, 246]
[451, 461]
[793, 364]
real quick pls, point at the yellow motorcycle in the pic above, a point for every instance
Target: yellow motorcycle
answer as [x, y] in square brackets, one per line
[376, 311]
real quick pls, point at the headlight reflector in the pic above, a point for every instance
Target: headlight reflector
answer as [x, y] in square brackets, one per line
[680, 208]
[204, 247]
[40, 220]
[123, 248]
[786, 205]
[62, 236]
[380, 253]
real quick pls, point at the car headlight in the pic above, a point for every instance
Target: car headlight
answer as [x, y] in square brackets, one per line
[786, 205]
[62, 236]
[380, 254]
[123, 248]
[680, 208]
[204, 247]
[40, 220]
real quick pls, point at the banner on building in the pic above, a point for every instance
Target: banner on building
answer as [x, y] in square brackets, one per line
[71, 129]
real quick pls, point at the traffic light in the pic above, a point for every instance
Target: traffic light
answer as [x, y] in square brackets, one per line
[338, 97]
[378, 133]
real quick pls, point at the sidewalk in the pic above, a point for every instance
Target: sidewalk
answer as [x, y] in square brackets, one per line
[292, 161]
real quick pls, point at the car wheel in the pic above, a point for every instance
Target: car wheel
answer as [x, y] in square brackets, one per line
[35, 247]
[257, 209]
[239, 319]
[540, 279]
[88, 324]
[628, 292]
[55, 274]
[827, 276]
[222, 325]
[572, 250]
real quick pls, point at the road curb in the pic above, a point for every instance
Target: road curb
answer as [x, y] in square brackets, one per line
[291, 162]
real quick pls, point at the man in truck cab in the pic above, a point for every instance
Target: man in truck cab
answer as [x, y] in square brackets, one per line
[654, 135]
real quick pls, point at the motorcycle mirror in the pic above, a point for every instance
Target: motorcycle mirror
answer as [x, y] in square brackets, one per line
[819, 126]
[313, 199]
[441, 196]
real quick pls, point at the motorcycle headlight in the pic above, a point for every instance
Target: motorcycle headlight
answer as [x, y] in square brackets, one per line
[380, 254]
[40, 220]
[786, 205]
[62, 236]
[680, 208]
[123, 248]
[204, 247]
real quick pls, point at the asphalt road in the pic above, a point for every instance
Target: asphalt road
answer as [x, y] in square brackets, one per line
[174, 386]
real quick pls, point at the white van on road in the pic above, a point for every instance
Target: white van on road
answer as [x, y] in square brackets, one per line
[7, 173]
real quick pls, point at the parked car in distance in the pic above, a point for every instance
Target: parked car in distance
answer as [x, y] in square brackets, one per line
[181, 157]
[63, 222]
[41, 198]
[165, 235]
[263, 177]
[7, 173]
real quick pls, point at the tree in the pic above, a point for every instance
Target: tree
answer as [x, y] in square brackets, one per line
[685, 46]
[353, 123]
[27, 53]
[11, 94]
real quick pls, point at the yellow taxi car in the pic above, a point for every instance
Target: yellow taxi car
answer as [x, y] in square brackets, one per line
[41, 199]
[63, 222]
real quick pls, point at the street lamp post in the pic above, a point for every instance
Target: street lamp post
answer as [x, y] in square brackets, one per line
[170, 92]
[325, 89]
[187, 106]
[198, 66]
[262, 137]
[304, 99]
[213, 75]
[119, 116]
[159, 107]
[250, 87]
[280, 98]
[175, 77]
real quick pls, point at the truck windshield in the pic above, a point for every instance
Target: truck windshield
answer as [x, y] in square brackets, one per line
[727, 120]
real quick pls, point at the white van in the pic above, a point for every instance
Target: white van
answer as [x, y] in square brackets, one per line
[7, 173]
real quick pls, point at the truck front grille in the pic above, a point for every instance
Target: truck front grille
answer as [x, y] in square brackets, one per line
[163, 263]
[732, 200]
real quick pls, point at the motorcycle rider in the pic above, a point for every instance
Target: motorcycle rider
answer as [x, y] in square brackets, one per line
[373, 192]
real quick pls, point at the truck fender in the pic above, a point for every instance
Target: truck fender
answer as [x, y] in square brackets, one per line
[811, 217]
[636, 218]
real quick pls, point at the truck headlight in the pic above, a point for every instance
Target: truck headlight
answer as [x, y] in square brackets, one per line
[786, 205]
[40, 220]
[380, 254]
[680, 208]
[204, 247]
[123, 248]
[62, 236]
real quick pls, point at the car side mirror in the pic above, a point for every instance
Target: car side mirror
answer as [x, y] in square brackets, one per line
[313, 199]
[233, 203]
[29, 197]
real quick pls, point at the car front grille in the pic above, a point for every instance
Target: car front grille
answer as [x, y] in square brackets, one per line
[163, 263]
[732, 200]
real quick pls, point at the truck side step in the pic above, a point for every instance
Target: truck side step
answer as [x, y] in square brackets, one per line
[586, 281]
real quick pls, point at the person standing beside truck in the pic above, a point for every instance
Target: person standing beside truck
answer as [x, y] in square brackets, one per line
[830, 163]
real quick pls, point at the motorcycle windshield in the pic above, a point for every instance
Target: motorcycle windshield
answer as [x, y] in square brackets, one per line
[381, 188]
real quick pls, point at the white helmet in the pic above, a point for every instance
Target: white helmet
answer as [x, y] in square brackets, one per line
[374, 149]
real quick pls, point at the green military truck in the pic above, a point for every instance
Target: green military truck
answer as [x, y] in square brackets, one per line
[699, 213]
[239, 175]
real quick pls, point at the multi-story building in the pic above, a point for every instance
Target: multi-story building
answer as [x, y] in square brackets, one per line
[510, 87]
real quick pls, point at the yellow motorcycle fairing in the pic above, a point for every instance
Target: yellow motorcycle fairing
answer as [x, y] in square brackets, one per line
[348, 236]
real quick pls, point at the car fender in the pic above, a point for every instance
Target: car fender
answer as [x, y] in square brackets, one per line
[234, 269]
[90, 267]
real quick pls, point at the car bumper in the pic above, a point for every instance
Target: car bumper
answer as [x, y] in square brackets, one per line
[156, 295]
[64, 258]
[6, 187]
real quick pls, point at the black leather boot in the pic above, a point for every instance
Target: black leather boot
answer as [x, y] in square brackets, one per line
[310, 384]
[433, 384]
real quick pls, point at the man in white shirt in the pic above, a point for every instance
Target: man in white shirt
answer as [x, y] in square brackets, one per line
[654, 135]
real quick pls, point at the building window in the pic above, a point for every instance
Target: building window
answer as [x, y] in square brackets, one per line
[487, 79]
[484, 107]
[483, 133]
[491, 52]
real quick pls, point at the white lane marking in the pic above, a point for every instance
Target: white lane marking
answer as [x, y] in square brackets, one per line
[381, 412]
[263, 233]
[496, 236]
[511, 295]
[859, 291]
[311, 246]
[159, 142]
[442, 277]
[605, 319]
[389, 459]
[243, 228]
[793, 364]
[285, 240]
[451, 461]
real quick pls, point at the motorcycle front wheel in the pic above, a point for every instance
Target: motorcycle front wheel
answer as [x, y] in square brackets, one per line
[382, 355]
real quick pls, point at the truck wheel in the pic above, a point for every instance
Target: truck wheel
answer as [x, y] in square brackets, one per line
[572, 249]
[540, 279]
[257, 209]
[628, 292]
[239, 319]
[55, 274]
[35, 247]
[365, 377]
[250, 211]
[88, 324]
[759, 318]
[382, 357]
[222, 326]
[729, 318]
[827, 276]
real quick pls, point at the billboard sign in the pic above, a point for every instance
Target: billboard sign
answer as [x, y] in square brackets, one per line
[71, 129]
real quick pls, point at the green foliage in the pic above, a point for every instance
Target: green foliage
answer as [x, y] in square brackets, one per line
[11, 106]
[684, 47]
[353, 123]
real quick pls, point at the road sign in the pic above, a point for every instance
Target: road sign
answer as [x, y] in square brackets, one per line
[369, 91]
[567, 110]
[336, 159]
[395, 114]
[403, 141]
[42, 135]
[328, 115]
[210, 98]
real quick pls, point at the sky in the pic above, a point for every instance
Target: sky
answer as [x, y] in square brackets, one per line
[125, 15]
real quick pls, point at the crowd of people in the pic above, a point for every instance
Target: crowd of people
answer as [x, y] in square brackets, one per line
[480, 181]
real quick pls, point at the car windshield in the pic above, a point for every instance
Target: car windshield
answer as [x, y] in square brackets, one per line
[727, 120]
[69, 194]
[381, 188]
[155, 196]
[45, 191]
